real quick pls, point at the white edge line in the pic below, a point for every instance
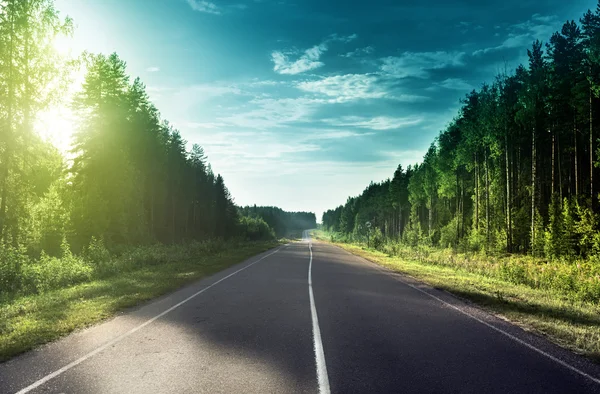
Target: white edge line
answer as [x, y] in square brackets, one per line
[322, 377]
[133, 330]
[501, 331]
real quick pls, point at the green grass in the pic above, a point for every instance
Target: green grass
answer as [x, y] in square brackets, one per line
[30, 320]
[563, 318]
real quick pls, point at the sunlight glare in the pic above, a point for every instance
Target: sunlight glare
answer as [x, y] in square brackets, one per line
[57, 123]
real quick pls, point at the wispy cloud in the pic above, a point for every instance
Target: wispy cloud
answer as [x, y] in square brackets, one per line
[204, 6]
[358, 52]
[337, 134]
[418, 64]
[350, 87]
[345, 39]
[153, 69]
[455, 84]
[538, 27]
[308, 60]
[267, 113]
[375, 123]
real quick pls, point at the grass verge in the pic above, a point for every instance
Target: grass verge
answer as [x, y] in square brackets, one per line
[29, 321]
[568, 322]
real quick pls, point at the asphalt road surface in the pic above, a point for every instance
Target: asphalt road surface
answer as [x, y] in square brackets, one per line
[302, 318]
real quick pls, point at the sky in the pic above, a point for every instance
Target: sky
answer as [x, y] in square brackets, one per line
[301, 103]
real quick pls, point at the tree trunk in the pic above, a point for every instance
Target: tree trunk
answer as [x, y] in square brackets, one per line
[8, 148]
[591, 150]
[400, 222]
[462, 208]
[533, 170]
[560, 193]
[476, 193]
[152, 227]
[172, 218]
[487, 199]
[575, 159]
[457, 207]
[508, 187]
[553, 163]
[430, 218]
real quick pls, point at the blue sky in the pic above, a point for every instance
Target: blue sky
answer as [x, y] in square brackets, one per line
[301, 103]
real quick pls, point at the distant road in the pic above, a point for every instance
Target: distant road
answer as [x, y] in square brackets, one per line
[259, 327]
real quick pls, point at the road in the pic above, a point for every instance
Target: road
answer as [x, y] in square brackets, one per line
[302, 318]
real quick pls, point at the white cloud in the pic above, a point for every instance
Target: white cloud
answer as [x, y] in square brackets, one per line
[520, 35]
[270, 113]
[204, 6]
[344, 39]
[375, 123]
[336, 134]
[545, 18]
[455, 84]
[359, 52]
[512, 41]
[308, 61]
[417, 64]
[349, 87]
[153, 69]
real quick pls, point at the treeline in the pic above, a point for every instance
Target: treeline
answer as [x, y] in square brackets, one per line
[129, 179]
[282, 222]
[515, 170]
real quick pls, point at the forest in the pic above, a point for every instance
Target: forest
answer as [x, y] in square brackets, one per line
[514, 172]
[283, 223]
[128, 181]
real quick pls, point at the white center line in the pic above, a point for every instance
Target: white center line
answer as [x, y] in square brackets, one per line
[322, 377]
[133, 330]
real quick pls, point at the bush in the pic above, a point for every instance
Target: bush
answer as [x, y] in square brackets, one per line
[476, 240]
[12, 262]
[413, 234]
[376, 238]
[255, 229]
[55, 272]
[449, 235]
[96, 253]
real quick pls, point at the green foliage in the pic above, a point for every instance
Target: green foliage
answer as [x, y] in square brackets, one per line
[51, 273]
[449, 234]
[586, 230]
[12, 263]
[569, 237]
[578, 280]
[476, 240]
[49, 221]
[538, 238]
[554, 245]
[376, 238]
[283, 223]
[255, 229]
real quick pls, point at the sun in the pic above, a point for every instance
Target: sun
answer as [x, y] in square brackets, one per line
[57, 125]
